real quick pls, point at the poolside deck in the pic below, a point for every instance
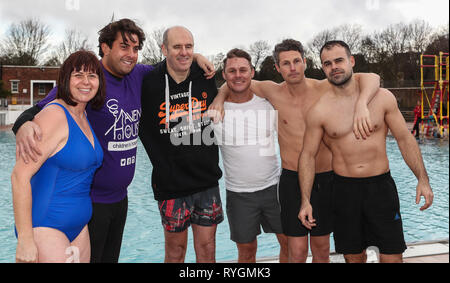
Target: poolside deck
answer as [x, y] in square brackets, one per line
[423, 252]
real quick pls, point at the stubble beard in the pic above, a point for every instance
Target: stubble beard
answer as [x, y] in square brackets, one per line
[342, 82]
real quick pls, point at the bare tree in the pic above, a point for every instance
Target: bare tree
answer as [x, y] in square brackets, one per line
[420, 35]
[395, 54]
[349, 33]
[73, 41]
[369, 49]
[394, 39]
[259, 51]
[25, 42]
[439, 41]
[317, 42]
[439, 34]
[152, 53]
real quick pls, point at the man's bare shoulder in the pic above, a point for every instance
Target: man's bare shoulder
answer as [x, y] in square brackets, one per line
[266, 89]
[281, 88]
[266, 84]
[313, 82]
[320, 86]
[386, 93]
[387, 98]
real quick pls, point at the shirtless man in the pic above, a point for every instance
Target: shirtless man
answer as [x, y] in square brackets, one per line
[365, 201]
[292, 99]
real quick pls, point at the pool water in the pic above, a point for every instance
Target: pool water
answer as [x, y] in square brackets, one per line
[143, 239]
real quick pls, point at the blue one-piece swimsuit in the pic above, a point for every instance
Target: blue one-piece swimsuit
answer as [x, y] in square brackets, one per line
[61, 187]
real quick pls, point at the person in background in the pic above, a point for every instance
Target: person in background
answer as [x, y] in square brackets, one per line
[417, 119]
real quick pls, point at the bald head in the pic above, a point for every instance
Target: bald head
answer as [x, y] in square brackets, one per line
[175, 31]
[178, 48]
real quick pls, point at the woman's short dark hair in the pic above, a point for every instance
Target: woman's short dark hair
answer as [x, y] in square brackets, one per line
[126, 27]
[81, 61]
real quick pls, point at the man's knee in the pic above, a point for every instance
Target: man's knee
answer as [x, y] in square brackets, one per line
[320, 249]
[175, 252]
[247, 252]
[298, 255]
[205, 249]
[175, 246]
[206, 246]
[356, 258]
[206, 253]
[395, 258]
[298, 249]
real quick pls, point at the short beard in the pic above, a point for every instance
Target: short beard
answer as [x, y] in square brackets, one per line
[343, 82]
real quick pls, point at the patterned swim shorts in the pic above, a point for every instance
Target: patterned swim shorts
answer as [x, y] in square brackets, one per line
[203, 208]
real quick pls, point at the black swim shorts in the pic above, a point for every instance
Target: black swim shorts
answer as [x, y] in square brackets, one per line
[367, 213]
[290, 201]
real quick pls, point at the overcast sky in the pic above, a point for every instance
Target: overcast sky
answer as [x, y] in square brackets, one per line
[219, 25]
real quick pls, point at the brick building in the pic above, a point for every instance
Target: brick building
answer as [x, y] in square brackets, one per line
[28, 84]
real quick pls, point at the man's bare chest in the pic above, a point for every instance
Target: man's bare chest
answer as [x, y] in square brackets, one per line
[293, 111]
[339, 122]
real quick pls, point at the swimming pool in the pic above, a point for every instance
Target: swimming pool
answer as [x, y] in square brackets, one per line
[144, 239]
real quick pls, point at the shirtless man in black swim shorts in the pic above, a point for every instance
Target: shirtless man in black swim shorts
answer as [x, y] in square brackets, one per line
[365, 200]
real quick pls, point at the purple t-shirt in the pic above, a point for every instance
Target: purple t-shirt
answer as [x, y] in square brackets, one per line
[116, 126]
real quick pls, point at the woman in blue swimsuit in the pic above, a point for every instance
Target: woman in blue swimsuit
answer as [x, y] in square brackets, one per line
[51, 200]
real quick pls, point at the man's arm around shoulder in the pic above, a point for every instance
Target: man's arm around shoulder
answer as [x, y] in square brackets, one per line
[265, 89]
[27, 115]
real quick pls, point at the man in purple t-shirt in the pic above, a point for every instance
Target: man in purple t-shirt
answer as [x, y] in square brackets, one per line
[116, 125]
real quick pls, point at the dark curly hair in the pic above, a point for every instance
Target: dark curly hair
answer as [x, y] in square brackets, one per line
[126, 27]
